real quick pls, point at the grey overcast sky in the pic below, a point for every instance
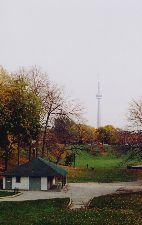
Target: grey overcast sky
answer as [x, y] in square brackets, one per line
[73, 41]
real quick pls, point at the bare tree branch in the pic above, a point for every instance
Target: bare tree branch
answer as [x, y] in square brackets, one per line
[135, 114]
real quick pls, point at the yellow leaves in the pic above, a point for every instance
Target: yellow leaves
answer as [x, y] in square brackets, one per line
[4, 76]
[57, 152]
[85, 133]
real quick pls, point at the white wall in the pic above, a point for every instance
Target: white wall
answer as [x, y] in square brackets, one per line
[44, 183]
[24, 184]
[3, 182]
[54, 181]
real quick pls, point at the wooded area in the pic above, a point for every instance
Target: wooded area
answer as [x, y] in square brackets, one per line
[36, 119]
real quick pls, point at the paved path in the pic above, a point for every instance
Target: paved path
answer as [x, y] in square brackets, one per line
[80, 193]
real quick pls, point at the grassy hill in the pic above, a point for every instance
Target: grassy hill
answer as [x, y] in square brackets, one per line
[108, 167]
[102, 161]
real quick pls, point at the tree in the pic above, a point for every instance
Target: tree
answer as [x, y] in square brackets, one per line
[39, 85]
[25, 108]
[86, 133]
[5, 145]
[54, 103]
[29, 105]
[19, 114]
[135, 114]
[135, 122]
[63, 130]
[107, 134]
[70, 159]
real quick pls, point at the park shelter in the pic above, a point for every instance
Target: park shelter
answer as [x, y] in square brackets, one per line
[37, 174]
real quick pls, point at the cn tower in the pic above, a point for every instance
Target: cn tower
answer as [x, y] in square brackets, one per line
[99, 97]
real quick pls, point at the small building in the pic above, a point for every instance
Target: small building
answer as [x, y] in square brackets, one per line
[137, 167]
[37, 174]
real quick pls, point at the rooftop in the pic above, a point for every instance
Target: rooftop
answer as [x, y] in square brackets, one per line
[37, 167]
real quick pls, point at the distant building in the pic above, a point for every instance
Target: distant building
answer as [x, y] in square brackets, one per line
[37, 174]
[99, 97]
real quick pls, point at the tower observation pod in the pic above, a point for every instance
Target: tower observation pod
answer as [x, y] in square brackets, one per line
[99, 97]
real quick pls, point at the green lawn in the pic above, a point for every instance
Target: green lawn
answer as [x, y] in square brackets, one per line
[32, 212]
[6, 193]
[103, 168]
[120, 209]
[104, 161]
[102, 175]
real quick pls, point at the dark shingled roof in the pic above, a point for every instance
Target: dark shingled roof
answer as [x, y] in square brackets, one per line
[37, 167]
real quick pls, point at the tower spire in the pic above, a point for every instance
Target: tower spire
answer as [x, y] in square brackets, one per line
[99, 97]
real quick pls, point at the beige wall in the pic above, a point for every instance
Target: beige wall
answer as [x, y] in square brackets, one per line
[44, 183]
[24, 184]
[3, 182]
[54, 181]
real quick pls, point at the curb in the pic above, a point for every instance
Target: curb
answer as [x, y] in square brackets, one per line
[70, 203]
[11, 196]
[88, 203]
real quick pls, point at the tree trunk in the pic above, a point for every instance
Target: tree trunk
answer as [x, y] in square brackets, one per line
[6, 159]
[5, 164]
[30, 150]
[36, 153]
[19, 155]
[44, 135]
